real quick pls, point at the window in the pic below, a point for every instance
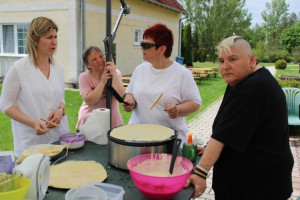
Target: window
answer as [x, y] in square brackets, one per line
[138, 36]
[8, 39]
[13, 38]
[22, 31]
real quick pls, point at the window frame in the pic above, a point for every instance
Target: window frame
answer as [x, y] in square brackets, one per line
[15, 38]
[140, 36]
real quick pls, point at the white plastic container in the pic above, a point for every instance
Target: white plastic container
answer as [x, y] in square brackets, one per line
[75, 141]
[86, 192]
[113, 192]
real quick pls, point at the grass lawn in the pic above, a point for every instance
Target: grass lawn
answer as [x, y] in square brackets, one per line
[210, 89]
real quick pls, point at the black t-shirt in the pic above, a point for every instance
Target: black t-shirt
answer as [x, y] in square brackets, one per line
[256, 161]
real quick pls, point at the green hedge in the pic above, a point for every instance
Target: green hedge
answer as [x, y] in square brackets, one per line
[280, 64]
[289, 83]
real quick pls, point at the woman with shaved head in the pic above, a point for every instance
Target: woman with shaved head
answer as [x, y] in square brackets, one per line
[249, 147]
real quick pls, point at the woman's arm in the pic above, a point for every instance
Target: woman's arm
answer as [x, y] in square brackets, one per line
[9, 95]
[16, 114]
[131, 103]
[93, 96]
[210, 156]
[182, 110]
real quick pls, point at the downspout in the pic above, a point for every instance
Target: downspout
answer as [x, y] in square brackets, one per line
[83, 33]
[179, 40]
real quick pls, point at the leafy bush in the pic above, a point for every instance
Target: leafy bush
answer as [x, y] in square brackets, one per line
[296, 54]
[273, 56]
[280, 64]
[285, 55]
[289, 83]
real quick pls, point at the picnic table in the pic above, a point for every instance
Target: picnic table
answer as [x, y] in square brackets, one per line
[126, 80]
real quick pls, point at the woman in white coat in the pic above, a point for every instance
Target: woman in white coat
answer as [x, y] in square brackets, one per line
[33, 88]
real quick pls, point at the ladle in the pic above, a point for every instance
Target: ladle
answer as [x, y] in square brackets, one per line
[174, 155]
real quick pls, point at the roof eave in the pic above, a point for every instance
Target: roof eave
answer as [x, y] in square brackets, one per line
[163, 5]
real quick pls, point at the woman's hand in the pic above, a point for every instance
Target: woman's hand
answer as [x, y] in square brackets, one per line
[200, 150]
[112, 69]
[105, 76]
[131, 103]
[40, 128]
[55, 117]
[198, 182]
[172, 110]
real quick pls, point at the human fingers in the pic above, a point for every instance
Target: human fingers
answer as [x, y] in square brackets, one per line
[187, 183]
[198, 192]
[54, 119]
[199, 184]
[200, 150]
[40, 128]
[172, 110]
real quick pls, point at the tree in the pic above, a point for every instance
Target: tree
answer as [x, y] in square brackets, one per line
[186, 50]
[216, 20]
[274, 15]
[290, 38]
[260, 51]
[258, 34]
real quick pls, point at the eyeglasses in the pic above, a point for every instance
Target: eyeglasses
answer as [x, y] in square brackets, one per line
[146, 45]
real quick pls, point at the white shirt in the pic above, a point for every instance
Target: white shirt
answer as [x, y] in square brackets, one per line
[26, 88]
[177, 85]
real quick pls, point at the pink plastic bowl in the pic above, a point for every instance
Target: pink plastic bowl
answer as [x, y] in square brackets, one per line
[150, 174]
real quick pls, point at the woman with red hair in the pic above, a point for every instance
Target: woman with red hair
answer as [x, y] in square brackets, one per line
[161, 75]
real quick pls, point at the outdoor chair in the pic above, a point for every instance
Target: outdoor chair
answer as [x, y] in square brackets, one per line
[293, 100]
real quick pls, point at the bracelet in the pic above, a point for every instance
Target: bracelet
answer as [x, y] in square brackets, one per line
[198, 166]
[63, 110]
[200, 172]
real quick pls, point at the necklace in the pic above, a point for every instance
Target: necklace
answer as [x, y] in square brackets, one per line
[156, 74]
[157, 71]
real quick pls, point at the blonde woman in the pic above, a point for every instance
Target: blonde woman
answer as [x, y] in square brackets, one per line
[33, 88]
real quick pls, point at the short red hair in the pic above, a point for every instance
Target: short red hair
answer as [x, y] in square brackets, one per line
[161, 35]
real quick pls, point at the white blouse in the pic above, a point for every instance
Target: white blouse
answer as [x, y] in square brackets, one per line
[26, 88]
[177, 85]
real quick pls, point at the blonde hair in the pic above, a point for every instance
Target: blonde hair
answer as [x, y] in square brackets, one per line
[235, 42]
[37, 28]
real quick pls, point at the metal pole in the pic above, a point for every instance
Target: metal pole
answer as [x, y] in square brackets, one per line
[108, 53]
[83, 32]
[108, 41]
[179, 39]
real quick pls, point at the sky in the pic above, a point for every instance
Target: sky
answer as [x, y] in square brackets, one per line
[257, 6]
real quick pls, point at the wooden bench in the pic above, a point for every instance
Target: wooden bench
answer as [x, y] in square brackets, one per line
[126, 81]
[212, 71]
[198, 74]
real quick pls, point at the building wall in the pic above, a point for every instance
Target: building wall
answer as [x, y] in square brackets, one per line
[143, 14]
[67, 15]
[62, 12]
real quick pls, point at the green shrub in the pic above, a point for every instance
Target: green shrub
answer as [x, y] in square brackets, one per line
[280, 64]
[289, 83]
[296, 54]
[273, 56]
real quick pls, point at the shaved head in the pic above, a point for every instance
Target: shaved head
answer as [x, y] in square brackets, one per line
[237, 42]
